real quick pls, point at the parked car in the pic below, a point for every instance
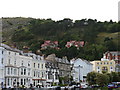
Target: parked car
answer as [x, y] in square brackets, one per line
[84, 86]
[112, 86]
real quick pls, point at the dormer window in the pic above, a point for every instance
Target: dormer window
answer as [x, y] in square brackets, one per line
[15, 62]
[22, 63]
[28, 63]
[2, 52]
[37, 58]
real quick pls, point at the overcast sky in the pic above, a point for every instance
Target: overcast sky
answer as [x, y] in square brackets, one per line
[102, 10]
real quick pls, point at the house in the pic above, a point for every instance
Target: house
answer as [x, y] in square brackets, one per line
[2, 68]
[58, 68]
[52, 71]
[15, 67]
[112, 55]
[20, 69]
[38, 69]
[50, 44]
[64, 69]
[102, 66]
[80, 70]
[75, 43]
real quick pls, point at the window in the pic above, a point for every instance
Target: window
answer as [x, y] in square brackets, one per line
[110, 62]
[2, 52]
[38, 65]
[21, 71]
[15, 53]
[34, 65]
[56, 75]
[22, 63]
[8, 72]
[8, 82]
[104, 62]
[111, 68]
[113, 57]
[11, 81]
[34, 73]
[42, 66]
[11, 70]
[28, 71]
[34, 82]
[15, 72]
[38, 74]
[98, 67]
[37, 58]
[98, 63]
[24, 81]
[2, 61]
[24, 71]
[101, 62]
[21, 81]
[9, 61]
[104, 69]
[9, 53]
[28, 63]
[42, 74]
[15, 62]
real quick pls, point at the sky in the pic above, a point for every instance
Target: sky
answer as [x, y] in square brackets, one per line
[102, 10]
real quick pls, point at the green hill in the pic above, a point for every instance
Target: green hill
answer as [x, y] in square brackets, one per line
[99, 36]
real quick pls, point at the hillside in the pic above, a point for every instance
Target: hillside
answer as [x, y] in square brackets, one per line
[99, 37]
[9, 25]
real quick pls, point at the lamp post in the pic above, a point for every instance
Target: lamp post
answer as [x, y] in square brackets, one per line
[79, 72]
[79, 66]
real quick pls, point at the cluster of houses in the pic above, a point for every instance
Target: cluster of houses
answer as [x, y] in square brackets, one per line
[54, 44]
[18, 68]
[75, 43]
[49, 44]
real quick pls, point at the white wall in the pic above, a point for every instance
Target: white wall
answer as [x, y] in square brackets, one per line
[85, 68]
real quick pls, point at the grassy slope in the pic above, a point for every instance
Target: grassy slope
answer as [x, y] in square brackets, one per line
[103, 35]
[10, 25]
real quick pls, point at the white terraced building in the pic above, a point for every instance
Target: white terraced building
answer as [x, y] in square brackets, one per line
[18, 68]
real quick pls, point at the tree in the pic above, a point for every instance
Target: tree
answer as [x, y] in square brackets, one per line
[102, 79]
[115, 77]
[91, 78]
[110, 77]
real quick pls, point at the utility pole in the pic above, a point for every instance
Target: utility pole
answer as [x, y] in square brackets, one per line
[79, 66]
[79, 72]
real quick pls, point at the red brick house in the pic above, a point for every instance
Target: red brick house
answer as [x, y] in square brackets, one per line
[112, 55]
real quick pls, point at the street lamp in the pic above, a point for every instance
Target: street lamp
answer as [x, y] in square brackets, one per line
[79, 66]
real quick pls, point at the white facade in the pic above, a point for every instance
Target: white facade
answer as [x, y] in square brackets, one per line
[2, 68]
[38, 70]
[80, 69]
[18, 69]
[52, 70]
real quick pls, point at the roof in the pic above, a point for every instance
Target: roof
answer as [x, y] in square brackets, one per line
[87, 62]
[10, 48]
[113, 52]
